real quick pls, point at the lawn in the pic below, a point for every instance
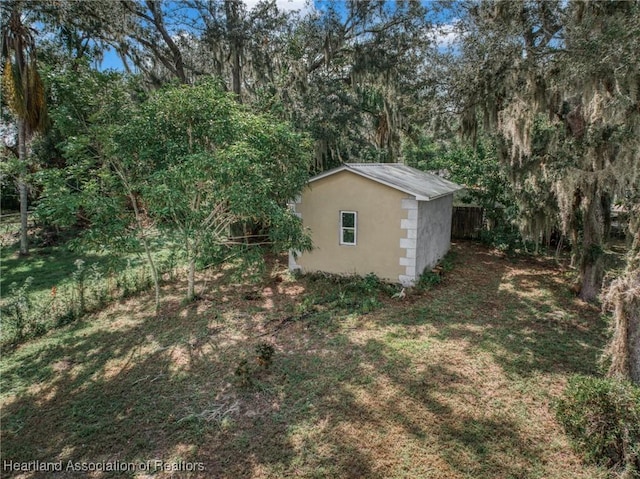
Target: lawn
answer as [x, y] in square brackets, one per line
[454, 382]
[50, 276]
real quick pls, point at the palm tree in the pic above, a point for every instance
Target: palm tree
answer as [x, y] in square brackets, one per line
[24, 95]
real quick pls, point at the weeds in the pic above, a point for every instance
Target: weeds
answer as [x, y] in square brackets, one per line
[356, 294]
[246, 372]
[18, 307]
[602, 416]
[428, 279]
[435, 276]
[264, 355]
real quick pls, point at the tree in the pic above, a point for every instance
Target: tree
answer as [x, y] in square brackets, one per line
[558, 83]
[357, 76]
[198, 162]
[86, 187]
[477, 167]
[25, 97]
[242, 47]
[623, 298]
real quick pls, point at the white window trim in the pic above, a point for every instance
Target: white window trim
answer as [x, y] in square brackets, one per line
[354, 228]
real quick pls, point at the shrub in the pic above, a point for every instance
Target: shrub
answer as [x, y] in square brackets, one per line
[355, 293]
[428, 279]
[602, 417]
[245, 373]
[18, 307]
[435, 276]
[505, 238]
[264, 354]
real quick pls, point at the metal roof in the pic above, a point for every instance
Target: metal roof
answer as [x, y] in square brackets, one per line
[424, 186]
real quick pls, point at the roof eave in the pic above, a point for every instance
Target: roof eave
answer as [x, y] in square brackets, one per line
[330, 172]
[431, 198]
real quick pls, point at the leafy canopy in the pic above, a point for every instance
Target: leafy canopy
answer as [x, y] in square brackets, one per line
[202, 162]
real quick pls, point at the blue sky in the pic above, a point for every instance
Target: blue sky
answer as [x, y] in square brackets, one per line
[111, 60]
[445, 38]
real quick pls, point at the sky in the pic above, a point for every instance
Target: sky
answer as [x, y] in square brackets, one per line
[285, 5]
[445, 38]
[111, 61]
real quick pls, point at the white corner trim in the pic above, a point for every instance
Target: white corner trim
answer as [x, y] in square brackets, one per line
[409, 224]
[293, 264]
[409, 204]
[406, 281]
[409, 243]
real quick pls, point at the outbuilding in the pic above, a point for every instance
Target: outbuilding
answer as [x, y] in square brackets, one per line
[382, 218]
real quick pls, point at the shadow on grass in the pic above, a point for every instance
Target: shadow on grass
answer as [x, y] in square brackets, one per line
[343, 402]
[431, 404]
[520, 312]
[140, 390]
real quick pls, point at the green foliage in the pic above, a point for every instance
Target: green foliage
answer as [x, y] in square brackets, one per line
[448, 262]
[428, 279]
[602, 416]
[556, 85]
[188, 164]
[18, 307]
[433, 277]
[505, 238]
[77, 184]
[264, 354]
[202, 164]
[244, 373]
[356, 294]
[477, 167]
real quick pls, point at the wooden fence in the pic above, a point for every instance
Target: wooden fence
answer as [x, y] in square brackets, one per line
[467, 222]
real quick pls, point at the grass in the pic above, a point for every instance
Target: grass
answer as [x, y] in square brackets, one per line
[43, 289]
[456, 381]
[54, 265]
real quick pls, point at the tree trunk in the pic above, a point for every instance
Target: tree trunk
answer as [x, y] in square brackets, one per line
[624, 350]
[633, 339]
[574, 238]
[236, 73]
[235, 40]
[606, 202]
[147, 248]
[191, 280]
[591, 271]
[22, 189]
[143, 236]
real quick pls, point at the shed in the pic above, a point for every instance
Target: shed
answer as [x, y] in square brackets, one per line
[382, 218]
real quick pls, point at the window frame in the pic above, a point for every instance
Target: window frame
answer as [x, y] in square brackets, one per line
[353, 228]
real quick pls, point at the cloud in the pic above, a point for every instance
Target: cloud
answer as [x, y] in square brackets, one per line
[285, 5]
[446, 35]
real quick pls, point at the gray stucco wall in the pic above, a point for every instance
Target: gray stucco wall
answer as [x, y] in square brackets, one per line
[434, 232]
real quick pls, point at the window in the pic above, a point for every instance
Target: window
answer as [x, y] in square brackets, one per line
[348, 225]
